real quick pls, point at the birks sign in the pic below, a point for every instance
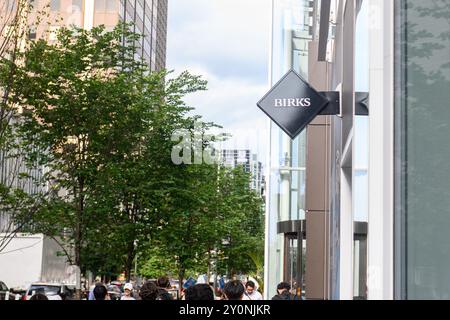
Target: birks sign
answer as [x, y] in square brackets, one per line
[292, 103]
[299, 102]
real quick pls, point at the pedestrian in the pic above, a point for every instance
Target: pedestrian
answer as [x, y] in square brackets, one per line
[251, 293]
[163, 284]
[127, 292]
[149, 291]
[91, 289]
[283, 292]
[39, 296]
[234, 290]
[199, 292]
[100, 292]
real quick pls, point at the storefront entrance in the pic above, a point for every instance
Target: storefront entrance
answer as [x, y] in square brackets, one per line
[294, 232]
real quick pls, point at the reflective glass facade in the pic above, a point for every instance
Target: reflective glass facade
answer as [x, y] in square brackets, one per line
[423, 149]
[292, 30]
[308, 173]
[150, 19]
[385, 231]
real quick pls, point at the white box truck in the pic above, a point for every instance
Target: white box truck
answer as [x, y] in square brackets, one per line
[33, 258]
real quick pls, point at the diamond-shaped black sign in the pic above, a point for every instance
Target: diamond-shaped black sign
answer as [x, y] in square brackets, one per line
[292, 104]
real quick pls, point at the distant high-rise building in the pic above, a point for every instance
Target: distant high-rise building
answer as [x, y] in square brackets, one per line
[250, 163]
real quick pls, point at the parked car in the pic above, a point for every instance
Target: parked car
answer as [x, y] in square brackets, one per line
[53, 291]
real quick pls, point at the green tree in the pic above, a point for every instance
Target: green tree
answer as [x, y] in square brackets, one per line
[156, 262]
[102, 125]
[186, 233]
[242, 223]
[143, 177]
[216, 221]
[99, 120]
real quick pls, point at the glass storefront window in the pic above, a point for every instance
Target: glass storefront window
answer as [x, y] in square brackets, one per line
[292, 30]
[423, 149]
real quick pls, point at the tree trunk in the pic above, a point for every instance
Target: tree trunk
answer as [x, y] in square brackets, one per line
[131, 246]
[181, 273]
[129, 261]
[78, 228]
[208, 273]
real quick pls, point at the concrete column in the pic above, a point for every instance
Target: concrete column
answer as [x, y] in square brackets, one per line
[88, 19]
[317, 186]
[381, 151]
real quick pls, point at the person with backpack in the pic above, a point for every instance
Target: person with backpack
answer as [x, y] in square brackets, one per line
[283, 292]
[163, 284]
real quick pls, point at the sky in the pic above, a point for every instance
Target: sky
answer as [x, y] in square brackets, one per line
[227, 42]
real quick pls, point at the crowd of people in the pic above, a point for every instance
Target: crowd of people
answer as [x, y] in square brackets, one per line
[159, 290]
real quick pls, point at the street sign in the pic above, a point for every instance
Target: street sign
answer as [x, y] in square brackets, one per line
[189, 283]
[292, 104]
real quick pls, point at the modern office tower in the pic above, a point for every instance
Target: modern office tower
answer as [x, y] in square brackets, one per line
[161, 34]
[250, 163]
[364, 196]
[149, 18]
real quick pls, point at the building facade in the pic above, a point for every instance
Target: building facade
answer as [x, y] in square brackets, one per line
[149, 19]
[357, 205]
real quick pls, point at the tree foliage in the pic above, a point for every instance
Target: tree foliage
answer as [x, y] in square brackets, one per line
[20, 190]
[101, 124]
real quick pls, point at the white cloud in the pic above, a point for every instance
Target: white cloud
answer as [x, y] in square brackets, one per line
[226, 41]
[230, 36]
[231, 103]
